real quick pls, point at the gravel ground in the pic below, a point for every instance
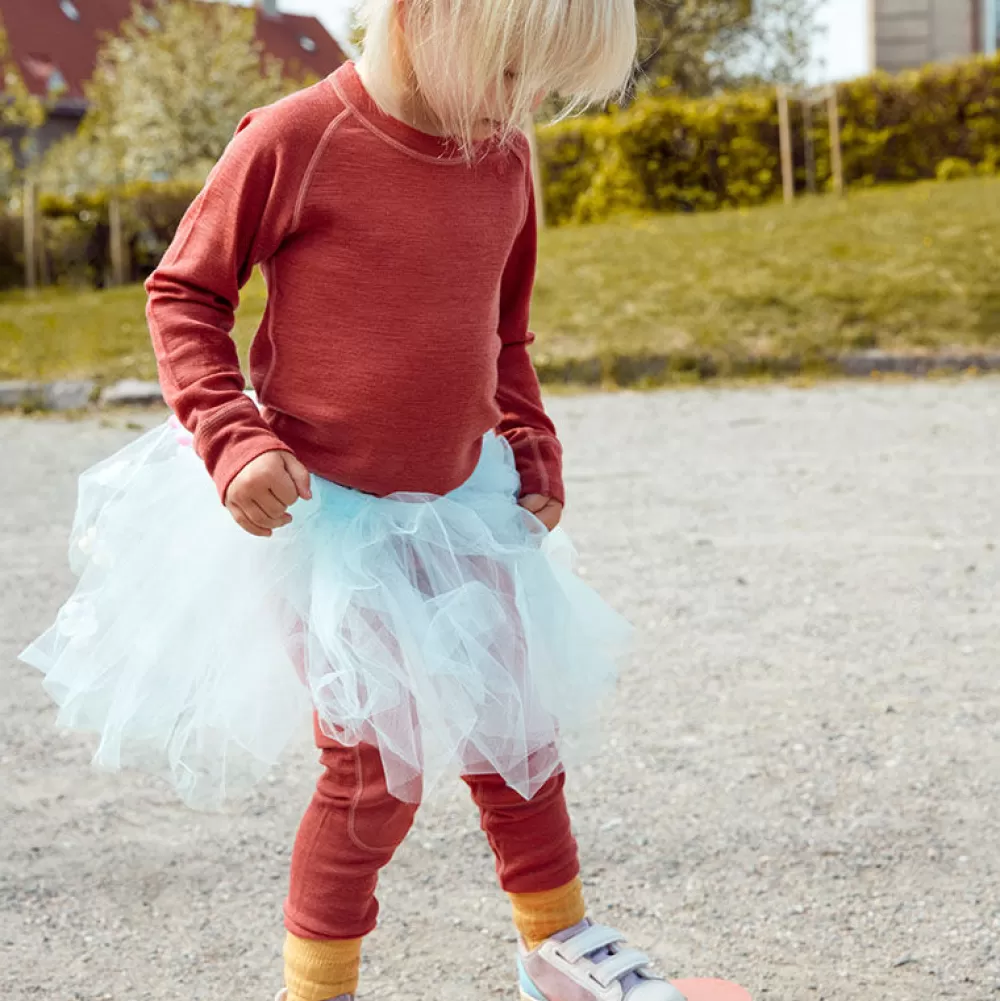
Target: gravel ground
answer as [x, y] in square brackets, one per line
[802, 783]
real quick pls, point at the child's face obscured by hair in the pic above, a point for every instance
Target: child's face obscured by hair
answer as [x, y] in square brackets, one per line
[483, 66]
[498, 112]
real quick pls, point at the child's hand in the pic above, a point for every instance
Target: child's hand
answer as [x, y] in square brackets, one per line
[545, 509]
[261, 492]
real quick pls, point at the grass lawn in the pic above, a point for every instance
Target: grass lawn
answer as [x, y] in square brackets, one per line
[909, 268]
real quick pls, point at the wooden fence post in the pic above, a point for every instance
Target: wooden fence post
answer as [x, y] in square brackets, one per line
[30, 232]
[44, 271]
[117, 238]
[785, 133]
[808, 143]
[836, 155]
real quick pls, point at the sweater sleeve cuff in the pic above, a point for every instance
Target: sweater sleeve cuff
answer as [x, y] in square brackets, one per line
[539, 463]
[237, 459]
[232, 440]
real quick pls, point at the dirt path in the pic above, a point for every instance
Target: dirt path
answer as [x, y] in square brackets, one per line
[801, 787]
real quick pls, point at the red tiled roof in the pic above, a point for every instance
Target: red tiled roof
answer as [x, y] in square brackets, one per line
[44, 40]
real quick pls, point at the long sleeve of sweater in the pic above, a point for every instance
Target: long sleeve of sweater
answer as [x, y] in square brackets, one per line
[525, 424]
[238, 221]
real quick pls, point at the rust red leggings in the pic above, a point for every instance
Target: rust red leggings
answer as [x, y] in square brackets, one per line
[353, 827]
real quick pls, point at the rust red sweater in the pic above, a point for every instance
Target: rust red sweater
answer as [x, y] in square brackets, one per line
[399, 278]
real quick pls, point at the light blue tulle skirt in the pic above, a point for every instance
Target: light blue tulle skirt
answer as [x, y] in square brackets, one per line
[451, 632]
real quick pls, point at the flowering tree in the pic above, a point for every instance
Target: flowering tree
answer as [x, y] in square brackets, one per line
[167, 94]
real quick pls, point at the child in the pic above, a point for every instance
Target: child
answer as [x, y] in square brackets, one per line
[394, 483]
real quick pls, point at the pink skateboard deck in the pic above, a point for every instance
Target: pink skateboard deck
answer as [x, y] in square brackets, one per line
[711, 990]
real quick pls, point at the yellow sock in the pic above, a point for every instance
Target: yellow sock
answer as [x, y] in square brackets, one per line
[320, 971]
[538, 916]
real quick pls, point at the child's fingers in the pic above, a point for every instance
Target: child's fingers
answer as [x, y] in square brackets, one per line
[534, 502]
[282, 488]
[245, 523]
[286, 518]
[262, 517]
[549, 513]
[269, 504]
[299, 474]
[548, 517]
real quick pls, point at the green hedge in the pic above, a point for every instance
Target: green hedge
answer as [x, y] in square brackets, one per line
[75, 235]
[76, 232]
[672, 154]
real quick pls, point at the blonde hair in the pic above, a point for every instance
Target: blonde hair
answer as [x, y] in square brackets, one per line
[458, 54]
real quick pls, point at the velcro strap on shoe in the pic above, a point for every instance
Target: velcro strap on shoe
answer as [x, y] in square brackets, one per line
[595, 938]
[621, 964]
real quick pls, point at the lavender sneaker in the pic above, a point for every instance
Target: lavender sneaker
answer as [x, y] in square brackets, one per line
[590, 963]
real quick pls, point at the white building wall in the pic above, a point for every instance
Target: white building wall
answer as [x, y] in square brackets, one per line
[909, 33]
[952, 29]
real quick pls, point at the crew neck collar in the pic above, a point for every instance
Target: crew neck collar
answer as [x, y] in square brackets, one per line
[346, 81]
